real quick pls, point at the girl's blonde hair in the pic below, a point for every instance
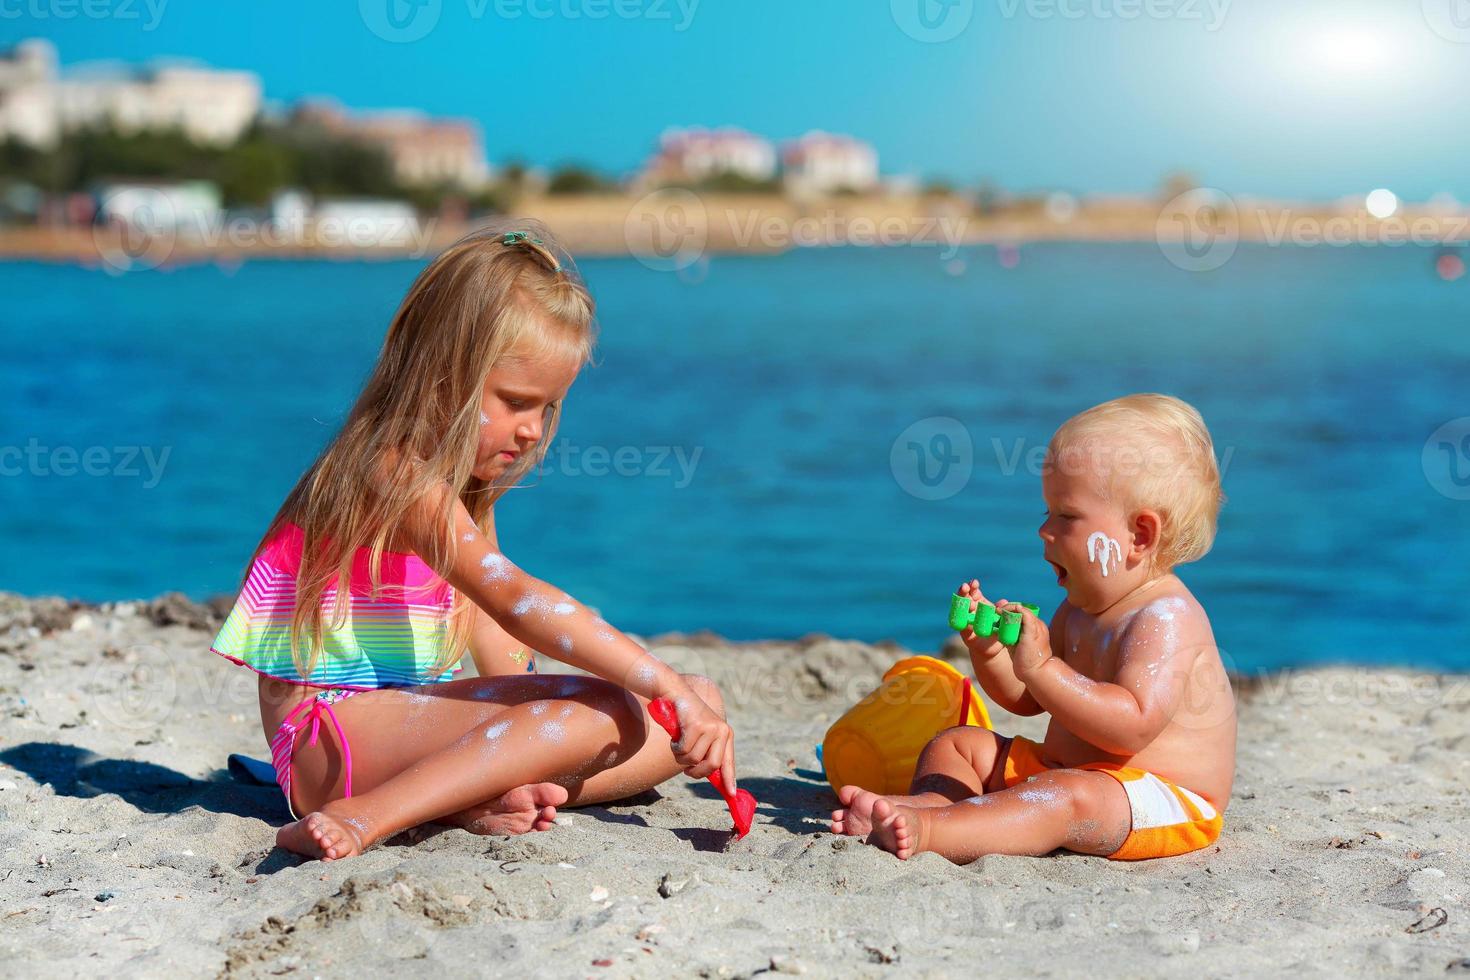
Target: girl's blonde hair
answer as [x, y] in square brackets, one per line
[414, 429]
[1151, 452]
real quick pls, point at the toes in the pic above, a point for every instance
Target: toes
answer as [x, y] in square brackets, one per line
[553, 795]
[846, 793]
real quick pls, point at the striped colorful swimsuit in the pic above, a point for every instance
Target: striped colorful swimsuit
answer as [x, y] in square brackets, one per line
[390, 640]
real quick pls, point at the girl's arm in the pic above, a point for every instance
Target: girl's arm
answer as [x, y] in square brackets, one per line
[546, 619]
[495, 652]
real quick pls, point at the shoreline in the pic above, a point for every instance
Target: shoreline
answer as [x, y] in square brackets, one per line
[667, 230]
[132, 850]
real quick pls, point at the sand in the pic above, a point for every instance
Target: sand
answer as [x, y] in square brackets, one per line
[129, 850]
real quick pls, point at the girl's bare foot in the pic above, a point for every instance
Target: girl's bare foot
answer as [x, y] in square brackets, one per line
[321, 835]
[525, 808]
[900, 830]
[856, 820]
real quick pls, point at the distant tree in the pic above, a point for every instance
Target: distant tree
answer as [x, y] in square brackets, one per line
[577, 180]
[985, 197]
[250, 172]
[1176, 183]
[730, 182]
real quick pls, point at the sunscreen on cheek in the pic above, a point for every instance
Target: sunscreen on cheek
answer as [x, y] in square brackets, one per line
[1103, 551]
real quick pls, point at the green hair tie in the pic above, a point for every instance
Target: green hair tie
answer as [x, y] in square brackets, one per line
[522, 238]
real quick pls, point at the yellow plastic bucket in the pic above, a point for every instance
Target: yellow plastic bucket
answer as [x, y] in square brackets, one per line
[876, 745]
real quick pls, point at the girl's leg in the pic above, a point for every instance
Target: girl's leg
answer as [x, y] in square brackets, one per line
[1080, 810]
[467, 750]
[624, 775]
[956, 764]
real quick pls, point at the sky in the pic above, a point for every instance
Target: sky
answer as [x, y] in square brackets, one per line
[1304, 99]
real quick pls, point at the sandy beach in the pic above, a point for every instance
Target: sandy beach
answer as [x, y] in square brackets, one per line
[130, 850]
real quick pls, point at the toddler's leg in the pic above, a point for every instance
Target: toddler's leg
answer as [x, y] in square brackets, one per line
[956, 764]
[1079, 810]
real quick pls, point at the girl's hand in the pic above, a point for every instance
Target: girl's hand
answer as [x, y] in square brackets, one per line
[1033, 649]
[706, 742]
[984, 647]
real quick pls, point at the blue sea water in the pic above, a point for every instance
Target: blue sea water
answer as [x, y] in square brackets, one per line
[765, 489]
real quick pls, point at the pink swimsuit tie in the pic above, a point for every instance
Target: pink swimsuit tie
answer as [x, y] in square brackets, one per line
[314, 707]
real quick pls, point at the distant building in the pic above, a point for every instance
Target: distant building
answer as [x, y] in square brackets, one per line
[37, 105]
[698, 154]
[364, 222]
[422, 150]
[188, 207]
[821, 163]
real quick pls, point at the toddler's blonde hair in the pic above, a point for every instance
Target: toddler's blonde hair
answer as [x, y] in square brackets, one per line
[507, 289]
[1152, 452]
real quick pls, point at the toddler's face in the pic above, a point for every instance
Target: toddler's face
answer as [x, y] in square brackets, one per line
[1086, 537]
[518, 397]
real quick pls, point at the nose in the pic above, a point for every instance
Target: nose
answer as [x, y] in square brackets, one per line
[530, 429]
[1043, 533]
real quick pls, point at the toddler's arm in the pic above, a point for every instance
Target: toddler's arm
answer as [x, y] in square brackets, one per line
[1121, 717]
[992, 663]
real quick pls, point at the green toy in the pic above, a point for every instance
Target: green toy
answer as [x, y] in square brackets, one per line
[985, 620]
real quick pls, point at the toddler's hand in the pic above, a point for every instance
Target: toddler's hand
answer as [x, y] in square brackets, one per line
[983, 647]
[1033, 649]
[706, 742]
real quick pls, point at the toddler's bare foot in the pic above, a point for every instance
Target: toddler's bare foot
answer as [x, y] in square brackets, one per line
[856, 820]
[525, 808]
[900, 830]
[321, 835]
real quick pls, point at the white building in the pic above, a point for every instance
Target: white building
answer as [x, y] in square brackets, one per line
[821, 163]
[37, 105]
[422, 150]
[698, 154]
[189, 208]
[364, 222]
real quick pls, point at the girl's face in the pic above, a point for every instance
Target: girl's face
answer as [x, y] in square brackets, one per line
[518, 397]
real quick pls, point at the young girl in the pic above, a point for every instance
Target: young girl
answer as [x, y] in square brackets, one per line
[382, 567]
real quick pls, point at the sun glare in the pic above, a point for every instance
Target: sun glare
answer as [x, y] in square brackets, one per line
[1352, 49]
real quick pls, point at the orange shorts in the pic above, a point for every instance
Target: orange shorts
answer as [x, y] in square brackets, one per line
[1167, 819]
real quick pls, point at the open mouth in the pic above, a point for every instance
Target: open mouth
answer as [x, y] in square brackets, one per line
[1060, 571]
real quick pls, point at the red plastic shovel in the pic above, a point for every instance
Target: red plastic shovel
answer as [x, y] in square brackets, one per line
[742, 804]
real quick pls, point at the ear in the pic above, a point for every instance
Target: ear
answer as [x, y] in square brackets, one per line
[1145, 527]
